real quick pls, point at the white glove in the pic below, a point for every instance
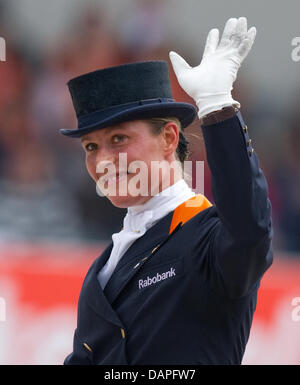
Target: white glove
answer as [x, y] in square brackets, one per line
[210, 83]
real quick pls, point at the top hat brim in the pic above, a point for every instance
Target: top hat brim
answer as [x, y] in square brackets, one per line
[184, 112]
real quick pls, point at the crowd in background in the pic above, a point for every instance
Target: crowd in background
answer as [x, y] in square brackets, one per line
[45, 191]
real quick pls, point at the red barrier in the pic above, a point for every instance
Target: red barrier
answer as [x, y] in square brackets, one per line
[39, 288]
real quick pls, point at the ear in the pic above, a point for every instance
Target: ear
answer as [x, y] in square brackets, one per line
[170, 137]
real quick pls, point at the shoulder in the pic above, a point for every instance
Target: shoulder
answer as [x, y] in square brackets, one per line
[189, 209]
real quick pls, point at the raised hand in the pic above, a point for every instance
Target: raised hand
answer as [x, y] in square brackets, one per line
[210, 83]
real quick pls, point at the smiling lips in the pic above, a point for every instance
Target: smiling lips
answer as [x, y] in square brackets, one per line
[115, 177]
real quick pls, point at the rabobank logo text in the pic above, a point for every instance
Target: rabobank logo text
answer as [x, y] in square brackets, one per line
[156, 278]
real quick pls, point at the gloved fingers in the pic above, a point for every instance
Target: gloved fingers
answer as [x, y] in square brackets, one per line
[240, 32]
[178, 63]
[251, 34]
[229, 30]
[247, 43]
[212, 42]
[241, 26]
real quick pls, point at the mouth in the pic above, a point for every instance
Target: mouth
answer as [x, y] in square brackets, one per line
[115, 177]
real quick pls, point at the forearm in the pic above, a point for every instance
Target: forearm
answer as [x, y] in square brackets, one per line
[238, 184]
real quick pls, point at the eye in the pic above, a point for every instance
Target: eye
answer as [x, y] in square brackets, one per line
[91, 147]
[118, 138]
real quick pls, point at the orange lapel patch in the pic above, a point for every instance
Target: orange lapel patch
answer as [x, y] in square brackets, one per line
[188, 210]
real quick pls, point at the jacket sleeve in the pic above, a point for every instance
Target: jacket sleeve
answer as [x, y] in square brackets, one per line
[241, 242]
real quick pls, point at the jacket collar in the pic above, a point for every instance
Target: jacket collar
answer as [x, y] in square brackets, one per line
[101, 301]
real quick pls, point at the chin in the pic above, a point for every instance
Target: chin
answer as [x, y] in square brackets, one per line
[124, 202]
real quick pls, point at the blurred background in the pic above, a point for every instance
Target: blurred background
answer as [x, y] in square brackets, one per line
[52, 222]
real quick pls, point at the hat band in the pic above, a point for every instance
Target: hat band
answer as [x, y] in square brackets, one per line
[106, 113]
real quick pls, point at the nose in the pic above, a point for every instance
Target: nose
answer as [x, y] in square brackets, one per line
[105, 161]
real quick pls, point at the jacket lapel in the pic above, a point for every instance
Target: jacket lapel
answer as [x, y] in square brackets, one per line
[137, 255]
[146, 243]
[101, 301]
[93, 293]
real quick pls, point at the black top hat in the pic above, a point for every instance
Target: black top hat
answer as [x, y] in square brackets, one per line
[127, 92]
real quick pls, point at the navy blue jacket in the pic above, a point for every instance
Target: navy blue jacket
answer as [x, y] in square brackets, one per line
[187, 297]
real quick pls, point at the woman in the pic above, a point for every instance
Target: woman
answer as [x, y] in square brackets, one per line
[178, 284]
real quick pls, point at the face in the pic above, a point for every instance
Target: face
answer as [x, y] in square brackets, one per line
[122, 159]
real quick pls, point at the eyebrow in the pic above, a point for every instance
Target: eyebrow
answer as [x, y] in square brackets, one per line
[105, 129]
[85, 138]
